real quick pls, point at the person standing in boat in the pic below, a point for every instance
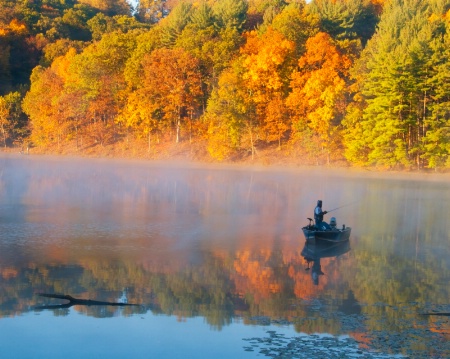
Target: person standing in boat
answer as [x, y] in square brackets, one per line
[318, 216]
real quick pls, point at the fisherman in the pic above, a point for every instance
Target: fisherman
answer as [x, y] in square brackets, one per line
[318, 216]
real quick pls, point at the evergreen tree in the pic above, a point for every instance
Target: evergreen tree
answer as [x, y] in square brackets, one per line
[231, 13]
[436, 140]
[346, 19]
[396, 88]
[175, 23]
[11, 125]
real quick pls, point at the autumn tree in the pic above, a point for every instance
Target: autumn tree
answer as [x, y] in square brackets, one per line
[99, 74]
[101, 24]
[5, 124]
[151, 11]
[109, 7]
[229, 114]
[173, 83]
[247, 105]
[212, 45]
[27, 27]
[296, 24]
[316, 98]
[80, 93]
[268, 61]
[59, 48]
[141, 115]
[146, 42]
[67, 23]
[46, 87]
[71, 103]
[276, 120]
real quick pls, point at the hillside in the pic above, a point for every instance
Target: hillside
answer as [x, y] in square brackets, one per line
[338, 83]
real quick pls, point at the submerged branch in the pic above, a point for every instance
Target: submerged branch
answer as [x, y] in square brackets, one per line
[77, 301]
[437, 313]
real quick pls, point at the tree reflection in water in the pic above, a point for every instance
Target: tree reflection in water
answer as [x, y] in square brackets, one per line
[225, 285]
[221, 244]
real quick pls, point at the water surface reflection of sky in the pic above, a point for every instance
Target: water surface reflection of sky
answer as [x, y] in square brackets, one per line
[215, 252]
[143, 336]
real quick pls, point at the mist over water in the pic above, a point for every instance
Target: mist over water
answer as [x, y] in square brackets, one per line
[69, 199]
[221, 242]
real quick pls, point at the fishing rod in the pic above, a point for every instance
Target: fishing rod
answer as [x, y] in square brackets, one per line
[345, 205]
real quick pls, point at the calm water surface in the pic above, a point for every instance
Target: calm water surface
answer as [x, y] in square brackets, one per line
[215, 260]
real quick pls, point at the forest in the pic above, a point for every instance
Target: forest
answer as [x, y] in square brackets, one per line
[329, 82]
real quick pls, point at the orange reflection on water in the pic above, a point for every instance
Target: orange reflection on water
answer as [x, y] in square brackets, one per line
[8, 273]
[254, 275]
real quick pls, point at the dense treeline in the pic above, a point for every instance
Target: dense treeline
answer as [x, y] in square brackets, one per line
[363, 80]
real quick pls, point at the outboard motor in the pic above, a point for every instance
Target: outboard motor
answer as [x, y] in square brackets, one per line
[333, 223]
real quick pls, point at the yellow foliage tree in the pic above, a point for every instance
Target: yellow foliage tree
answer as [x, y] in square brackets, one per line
[228, 114]
[141, 115]
[317, 92]
[40, 105]
[267, 62]
[4, 119]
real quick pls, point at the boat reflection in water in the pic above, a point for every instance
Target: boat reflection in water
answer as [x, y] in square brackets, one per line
[326, 233]
[313, 252]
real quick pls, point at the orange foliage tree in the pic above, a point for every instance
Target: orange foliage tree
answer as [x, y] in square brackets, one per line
[318, 89]
[173, 83]
[267, 63]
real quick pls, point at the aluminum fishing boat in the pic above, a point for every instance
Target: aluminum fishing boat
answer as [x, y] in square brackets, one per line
[326, 234]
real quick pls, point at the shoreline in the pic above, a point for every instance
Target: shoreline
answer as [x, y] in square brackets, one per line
[255, 166]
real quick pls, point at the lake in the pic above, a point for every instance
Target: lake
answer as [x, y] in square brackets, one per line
[214, 259]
